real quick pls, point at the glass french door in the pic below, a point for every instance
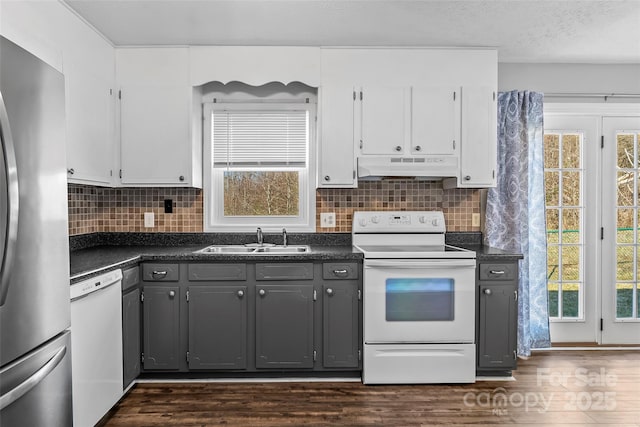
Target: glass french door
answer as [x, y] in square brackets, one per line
[571, 146]
[620, 232]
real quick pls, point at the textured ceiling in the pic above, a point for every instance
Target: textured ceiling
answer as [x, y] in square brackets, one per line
[587, 31]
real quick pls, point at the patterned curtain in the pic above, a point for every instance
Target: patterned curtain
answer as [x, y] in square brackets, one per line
[515, 210]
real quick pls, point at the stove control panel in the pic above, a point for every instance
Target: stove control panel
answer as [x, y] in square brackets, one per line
[398, 222]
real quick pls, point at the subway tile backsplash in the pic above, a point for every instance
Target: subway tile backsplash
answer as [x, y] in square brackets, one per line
[98, 209]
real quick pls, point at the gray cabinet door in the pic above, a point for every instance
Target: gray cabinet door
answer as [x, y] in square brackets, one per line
[217, 327]
[161, 325]
[340, 336]
[130, 336]
[497, 326]
[284, 326]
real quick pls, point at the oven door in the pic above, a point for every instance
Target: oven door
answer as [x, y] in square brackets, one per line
[419, 301]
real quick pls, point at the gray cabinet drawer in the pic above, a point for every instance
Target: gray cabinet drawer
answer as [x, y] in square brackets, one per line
[284, 271]
[130, 277]
[504, 271]
[213, 272]
[339, 270]
[160, 272]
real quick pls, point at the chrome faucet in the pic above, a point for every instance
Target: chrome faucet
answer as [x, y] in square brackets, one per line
[259, 236]
[284, 237]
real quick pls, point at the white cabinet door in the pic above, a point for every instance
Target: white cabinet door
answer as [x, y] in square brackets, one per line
[336, 167]
[435, 120]
[90, 125]
[155, 132]
[384, 117]
[479, 137]
[159, 120]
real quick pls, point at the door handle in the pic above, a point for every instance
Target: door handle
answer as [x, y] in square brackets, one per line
[341, 273]
[16, 393]
[430, 264]
[13, 202]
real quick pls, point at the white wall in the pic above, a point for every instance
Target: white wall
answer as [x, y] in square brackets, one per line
[571, 78]
[49, 30]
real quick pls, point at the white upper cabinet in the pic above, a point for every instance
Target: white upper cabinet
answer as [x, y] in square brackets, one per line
[408, 121]
[435, 120]
[159, 120]
[411, 103]
[384, 120]
[53, 33]
[90, 128]
[478, 157]
[336, 156]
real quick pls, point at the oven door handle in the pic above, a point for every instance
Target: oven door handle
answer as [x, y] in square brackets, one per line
[421, 264]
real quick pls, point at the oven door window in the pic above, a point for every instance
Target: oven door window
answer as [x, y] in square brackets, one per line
[428, 299]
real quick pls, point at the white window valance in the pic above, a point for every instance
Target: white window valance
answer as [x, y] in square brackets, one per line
[254, 65]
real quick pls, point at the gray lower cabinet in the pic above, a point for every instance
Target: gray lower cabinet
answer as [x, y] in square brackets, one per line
[130, 325]
[284, 326]
[251, 316]
[161, 327]
[217, 327]
[341, 329]
[497, 316]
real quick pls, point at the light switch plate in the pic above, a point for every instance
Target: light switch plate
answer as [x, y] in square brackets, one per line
[149, 219]
[327, 219]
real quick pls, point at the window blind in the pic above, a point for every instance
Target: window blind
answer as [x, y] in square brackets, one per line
[270, 138]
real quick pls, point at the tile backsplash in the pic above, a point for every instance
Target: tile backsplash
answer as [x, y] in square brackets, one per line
[398, 195]
[98, 209]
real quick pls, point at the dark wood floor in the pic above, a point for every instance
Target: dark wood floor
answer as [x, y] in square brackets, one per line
[554, 388]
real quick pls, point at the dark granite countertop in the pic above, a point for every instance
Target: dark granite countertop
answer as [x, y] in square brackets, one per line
[86, 263]
[99, 253]
[487, 253]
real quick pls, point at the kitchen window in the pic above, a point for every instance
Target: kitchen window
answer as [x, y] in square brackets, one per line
[257, 165]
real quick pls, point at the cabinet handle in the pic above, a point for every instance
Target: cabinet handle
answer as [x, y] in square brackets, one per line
[467, 177]
[159, 273]
[327, 178]
[262, 292]
[341, 273]
[515, 294]
[398, 148]
[329, 291]
[496, 272]
[417, 148]
[71, 171]
[240, 293]
[172, 294]
[487, 291]
[181, 178]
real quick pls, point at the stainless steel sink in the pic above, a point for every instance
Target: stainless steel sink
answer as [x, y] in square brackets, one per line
[255, 250]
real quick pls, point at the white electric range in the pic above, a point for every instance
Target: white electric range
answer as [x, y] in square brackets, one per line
[419, 300]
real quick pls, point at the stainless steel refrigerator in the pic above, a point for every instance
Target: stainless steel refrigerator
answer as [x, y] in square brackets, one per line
[35, 356]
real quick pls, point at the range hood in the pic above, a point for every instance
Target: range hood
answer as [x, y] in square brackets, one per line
[423, 167]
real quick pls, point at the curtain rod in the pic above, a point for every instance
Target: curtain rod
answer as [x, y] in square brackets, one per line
[591, 95]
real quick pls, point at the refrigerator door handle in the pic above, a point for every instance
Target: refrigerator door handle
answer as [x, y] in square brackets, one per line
[12, 395]
[12, 201]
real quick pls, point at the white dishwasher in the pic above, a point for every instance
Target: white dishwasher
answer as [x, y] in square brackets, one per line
[96, 346]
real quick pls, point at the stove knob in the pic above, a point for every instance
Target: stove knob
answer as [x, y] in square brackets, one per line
[375, 219]
[435, 222]
[422, 219]
[362, 222]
